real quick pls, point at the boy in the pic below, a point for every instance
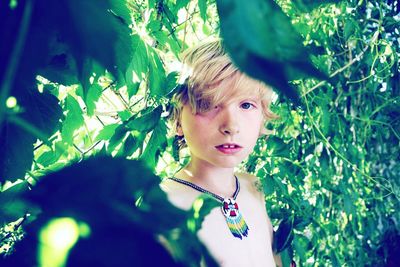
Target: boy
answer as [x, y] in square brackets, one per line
[219, 115]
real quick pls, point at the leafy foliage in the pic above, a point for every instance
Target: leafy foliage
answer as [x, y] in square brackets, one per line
[86, 78]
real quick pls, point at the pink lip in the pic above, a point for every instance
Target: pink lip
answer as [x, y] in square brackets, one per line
[229, 148]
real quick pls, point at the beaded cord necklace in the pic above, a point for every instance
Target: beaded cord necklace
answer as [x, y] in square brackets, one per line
[230, 208]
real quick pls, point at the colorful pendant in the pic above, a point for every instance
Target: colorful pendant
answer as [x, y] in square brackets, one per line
[234, 219]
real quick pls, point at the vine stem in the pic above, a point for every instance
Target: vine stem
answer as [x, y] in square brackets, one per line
[349, 64]
[330, 146]
[15, 56]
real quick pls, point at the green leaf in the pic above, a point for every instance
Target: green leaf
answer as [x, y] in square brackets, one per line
[308, 5]
[42, 110]
[171, 82]
[258, 47]
[181, 3]
[48, 158]
[92, 28]
[286, 259]
[38, 110]
[284, 235]
[269, 186]
[278, 146]
[73, 119]
[325, 120]
[348, 205]
[104, 207]
[349, 28]
[156, 143]
[301, 245]
[12, 205]
[93, 96]
[106, 133]
[146, 121]
[61, 67]
[175, 46]
[203, 9]
[154, 26]
[131, 144]
[125, 115]
[119, 135]
[157, 75]
[139, 65]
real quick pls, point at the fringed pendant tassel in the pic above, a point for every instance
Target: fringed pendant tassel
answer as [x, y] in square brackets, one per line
[234, 218]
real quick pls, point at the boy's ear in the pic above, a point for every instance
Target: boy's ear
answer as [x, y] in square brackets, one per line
[179, 131]
[263, 132]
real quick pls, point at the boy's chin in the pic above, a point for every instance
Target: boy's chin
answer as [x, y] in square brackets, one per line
[228, 164]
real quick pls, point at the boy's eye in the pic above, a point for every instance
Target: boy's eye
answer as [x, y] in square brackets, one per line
[246, 105]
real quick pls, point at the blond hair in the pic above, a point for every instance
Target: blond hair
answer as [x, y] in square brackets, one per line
[210, 68]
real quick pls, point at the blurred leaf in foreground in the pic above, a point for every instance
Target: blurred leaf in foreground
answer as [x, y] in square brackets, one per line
[263, 43]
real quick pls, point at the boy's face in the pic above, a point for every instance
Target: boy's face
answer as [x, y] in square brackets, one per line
[226, 134]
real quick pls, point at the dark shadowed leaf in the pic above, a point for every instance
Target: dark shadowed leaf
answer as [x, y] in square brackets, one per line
[16, 144]
[263, 43]
[119, 135]
[284, 235]
[12, 205]
[106, 203]
[147, 121]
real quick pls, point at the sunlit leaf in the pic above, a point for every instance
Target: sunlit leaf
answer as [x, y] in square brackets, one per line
[156, 144]
[73, 119]
[107, 132]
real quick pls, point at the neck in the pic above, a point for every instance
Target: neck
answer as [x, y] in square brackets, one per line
[217, 180]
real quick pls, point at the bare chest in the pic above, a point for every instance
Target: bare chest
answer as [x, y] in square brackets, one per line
[252, 250]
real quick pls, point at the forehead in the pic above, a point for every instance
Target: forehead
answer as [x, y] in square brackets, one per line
[238, 86]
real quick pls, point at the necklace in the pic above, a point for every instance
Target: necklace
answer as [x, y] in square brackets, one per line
[230, 208]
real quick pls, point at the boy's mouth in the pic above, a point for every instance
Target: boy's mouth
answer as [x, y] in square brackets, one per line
[229, 148]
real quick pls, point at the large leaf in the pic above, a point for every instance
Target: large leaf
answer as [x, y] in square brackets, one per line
[106, 204]
[263, 43]
[40, 110]
[57, 38]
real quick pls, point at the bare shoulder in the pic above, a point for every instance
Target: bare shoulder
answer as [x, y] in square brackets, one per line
[251, 183]
[178, 194]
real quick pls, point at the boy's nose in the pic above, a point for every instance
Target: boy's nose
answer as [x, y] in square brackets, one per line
[229, 129]
[229, 125]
